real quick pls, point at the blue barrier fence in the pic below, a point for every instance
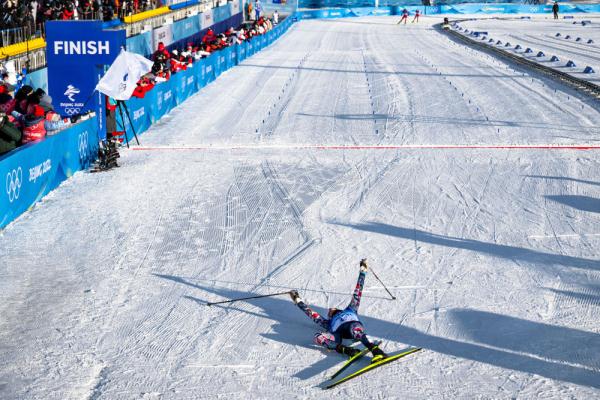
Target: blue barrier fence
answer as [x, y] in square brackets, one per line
[180, 32]
[387, 3]
[144, 42]
[192, 28]
[32, 171]
[565, 8]
[167, 95]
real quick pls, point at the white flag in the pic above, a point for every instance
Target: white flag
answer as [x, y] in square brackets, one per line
[121, 78]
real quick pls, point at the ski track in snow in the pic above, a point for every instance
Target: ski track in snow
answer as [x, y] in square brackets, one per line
[492, 253]
[539, 34]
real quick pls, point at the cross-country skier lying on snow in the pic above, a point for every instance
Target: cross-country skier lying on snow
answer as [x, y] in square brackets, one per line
[342, 324]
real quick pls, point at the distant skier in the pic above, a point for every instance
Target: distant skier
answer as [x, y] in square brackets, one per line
[446, 24]
[342, 324]
[555, 10]
[404, 17]
[417, 15]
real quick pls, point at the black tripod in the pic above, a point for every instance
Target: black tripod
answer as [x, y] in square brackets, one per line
[122, 106]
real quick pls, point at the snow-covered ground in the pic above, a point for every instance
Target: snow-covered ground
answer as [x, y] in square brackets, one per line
[492, 252]
[539, 33]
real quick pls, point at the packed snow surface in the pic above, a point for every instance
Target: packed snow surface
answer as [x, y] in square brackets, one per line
[244, 190]
[576, 40]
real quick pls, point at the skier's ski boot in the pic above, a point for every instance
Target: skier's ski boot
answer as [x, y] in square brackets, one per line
[349, 351]
[378, 355]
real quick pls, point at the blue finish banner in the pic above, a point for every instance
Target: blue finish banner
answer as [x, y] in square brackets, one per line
[81, 42]
[32, 171]
[74, 52]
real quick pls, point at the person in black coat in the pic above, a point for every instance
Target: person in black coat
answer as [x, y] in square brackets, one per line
[10, 136]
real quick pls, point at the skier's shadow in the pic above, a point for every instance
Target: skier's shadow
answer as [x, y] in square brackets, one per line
[582, 203]
[293, 331]
[554, 352]
[532, 256]
[290, 327]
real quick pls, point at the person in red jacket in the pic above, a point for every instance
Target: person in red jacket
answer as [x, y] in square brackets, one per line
[161, 55]
[144, 85]
[7, 103]
[176, 64]
[417, 15]
[404, 16]
[209, 37]
[33, 124]
[68, 12]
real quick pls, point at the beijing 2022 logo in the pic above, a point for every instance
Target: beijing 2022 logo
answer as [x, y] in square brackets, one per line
[14, 180]
[72, 107]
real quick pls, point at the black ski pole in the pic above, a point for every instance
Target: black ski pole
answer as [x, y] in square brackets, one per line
[247, 298]
[386, 289]
[119, 106]
[130, 122]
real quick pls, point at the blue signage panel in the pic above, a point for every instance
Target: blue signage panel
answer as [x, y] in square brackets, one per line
[69, 42]
[141, 44]
[185, 28]
[75, 52]
[32, 171]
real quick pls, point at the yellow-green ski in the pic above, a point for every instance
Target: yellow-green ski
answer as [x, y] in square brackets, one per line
[352, 359]
[373, 366]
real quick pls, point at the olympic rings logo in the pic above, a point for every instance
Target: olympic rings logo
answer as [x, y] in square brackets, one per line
[83, 147]
[72, 111]
[14, 179]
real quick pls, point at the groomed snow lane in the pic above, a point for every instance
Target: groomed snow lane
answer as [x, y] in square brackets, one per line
[492, 253]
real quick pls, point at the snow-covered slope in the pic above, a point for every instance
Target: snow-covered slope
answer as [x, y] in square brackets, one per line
[566, 39]
[492, 252]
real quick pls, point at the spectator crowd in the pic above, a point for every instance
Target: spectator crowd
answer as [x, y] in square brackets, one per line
[31, 14]
[27, 115]
[167, 63]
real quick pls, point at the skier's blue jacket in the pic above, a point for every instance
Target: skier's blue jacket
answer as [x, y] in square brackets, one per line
[338, 319]
[349, 314]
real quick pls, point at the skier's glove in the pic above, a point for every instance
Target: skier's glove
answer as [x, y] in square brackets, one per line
[363, 265]
[295, 296]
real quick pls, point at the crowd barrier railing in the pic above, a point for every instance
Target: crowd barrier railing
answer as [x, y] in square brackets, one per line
[14, 45]
[22, 48]
[30, 172]
[19, 35]
[146, 14]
